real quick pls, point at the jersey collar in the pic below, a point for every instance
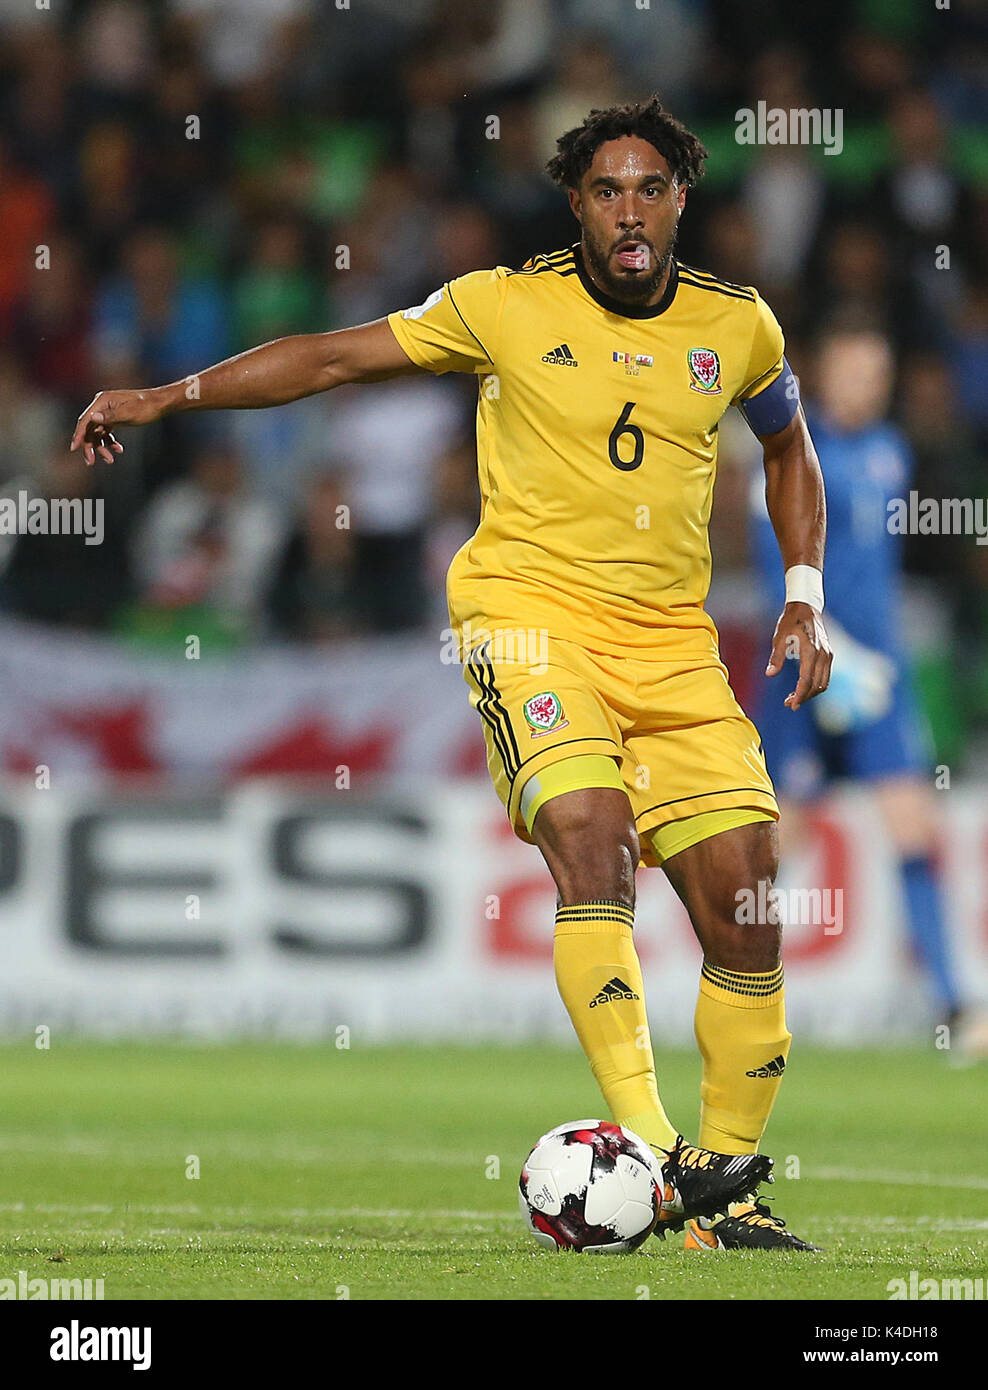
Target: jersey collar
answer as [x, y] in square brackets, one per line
[617, 306]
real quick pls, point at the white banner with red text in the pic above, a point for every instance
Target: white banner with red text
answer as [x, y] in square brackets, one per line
[408, 910]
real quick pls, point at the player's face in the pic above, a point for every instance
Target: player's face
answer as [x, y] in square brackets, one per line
[854, 379]
[629, 206]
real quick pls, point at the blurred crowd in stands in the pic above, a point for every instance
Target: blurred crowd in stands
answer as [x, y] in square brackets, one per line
[205, 175]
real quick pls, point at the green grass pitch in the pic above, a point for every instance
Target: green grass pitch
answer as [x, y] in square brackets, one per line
[372, 1173]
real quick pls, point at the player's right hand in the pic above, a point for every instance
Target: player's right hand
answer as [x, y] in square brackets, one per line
[108, 409]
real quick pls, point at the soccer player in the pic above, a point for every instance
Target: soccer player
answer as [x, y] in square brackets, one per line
[613, 736]
[868, 726]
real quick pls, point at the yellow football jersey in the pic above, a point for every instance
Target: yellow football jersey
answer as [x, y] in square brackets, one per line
[597, 446]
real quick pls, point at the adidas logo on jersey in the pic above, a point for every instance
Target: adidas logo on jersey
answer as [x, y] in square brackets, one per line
[561, 357]
[614, 990]
[774, 1068]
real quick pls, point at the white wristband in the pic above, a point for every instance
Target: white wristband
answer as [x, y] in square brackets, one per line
[804, 584]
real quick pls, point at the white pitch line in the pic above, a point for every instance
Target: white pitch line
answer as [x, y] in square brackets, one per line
[877, 1175]
[85, 1147]
[234, 1147]
[887, 1224]
[259, 1213]
[899, 1225]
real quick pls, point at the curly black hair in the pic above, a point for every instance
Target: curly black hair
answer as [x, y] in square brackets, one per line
[649, 120]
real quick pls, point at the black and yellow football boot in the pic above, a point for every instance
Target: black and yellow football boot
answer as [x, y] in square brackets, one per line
[700, 1183]
[748, 1226]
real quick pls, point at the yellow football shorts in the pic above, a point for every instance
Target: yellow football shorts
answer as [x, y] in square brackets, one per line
[682, 744]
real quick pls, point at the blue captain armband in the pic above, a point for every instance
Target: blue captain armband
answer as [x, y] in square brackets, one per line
[772, 409]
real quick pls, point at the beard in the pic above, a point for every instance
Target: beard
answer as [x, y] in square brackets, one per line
[629, 286]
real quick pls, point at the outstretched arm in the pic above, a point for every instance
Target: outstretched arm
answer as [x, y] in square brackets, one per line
[797, 506]
[273, 374]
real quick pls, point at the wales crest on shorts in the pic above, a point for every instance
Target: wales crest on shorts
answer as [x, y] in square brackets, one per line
[544, 713]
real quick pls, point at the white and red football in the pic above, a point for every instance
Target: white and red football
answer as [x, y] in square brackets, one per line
[590, 1185]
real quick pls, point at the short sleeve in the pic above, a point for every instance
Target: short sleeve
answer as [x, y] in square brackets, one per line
[765, 357]
[456, 328]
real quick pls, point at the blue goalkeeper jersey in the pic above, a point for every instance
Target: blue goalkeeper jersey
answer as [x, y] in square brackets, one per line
[862, 472]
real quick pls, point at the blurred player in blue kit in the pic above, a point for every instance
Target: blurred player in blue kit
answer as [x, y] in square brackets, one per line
[867, 726]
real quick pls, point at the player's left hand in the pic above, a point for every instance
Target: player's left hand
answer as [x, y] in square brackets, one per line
[800, 633]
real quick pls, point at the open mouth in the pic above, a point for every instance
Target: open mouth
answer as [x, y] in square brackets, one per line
[633, 255]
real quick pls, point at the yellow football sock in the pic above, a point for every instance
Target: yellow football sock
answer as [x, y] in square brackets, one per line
[600, 981]
[741, 1029]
